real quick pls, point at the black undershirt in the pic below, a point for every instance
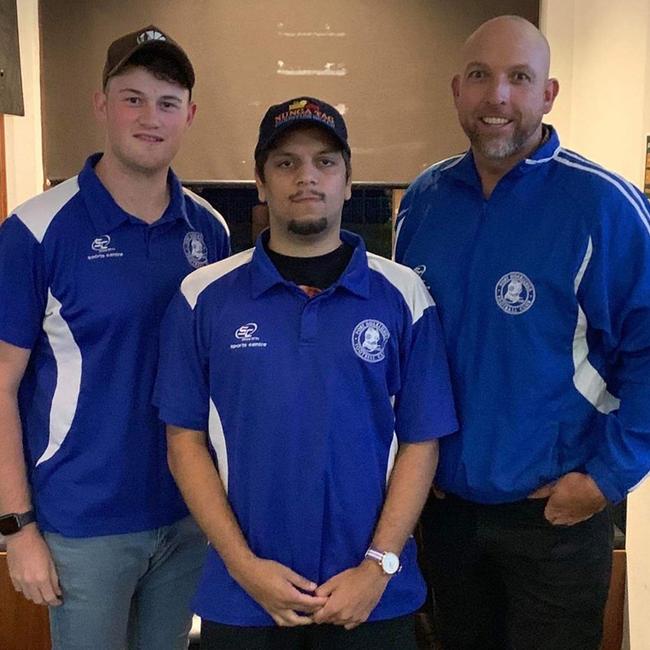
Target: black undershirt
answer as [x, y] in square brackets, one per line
[312, 274]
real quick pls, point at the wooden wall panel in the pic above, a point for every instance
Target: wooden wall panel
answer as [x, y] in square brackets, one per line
[23, 625]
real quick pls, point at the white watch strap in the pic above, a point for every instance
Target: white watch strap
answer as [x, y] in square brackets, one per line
[374, 555]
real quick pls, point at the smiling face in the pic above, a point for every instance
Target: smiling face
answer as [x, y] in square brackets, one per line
[145, 120]
[504, 91]
[305, 185]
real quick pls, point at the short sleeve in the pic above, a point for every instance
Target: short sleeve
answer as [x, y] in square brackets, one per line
[23, 284]
[182, 387]
[424, 408]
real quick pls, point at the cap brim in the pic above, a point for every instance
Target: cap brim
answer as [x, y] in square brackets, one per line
[279, 130]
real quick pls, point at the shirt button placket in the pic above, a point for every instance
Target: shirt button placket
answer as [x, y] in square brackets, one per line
[309, 322]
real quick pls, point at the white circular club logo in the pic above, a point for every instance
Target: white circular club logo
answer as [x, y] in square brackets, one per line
[515, 293]
[369, 339]
[195, 249]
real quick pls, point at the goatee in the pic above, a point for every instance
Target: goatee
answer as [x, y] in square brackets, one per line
[306, 228]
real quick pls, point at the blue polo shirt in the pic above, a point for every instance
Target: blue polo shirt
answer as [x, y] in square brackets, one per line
[305, 401]
[84, 285]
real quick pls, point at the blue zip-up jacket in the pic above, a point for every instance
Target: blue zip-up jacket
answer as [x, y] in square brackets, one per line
[544, 295]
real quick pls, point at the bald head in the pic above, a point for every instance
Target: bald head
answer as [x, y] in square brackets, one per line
[513, 35]
[502, 91]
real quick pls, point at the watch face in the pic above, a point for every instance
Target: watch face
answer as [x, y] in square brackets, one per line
[390, 563]
[9, 525]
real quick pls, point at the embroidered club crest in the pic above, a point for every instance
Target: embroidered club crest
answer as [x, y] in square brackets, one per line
[515, 293]
[369, 339]
[195, 249]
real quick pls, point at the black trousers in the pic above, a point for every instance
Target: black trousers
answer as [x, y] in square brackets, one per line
[392, 634]
[504, 578]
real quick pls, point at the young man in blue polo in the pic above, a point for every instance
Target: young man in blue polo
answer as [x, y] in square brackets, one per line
[313, 373]
[95, 526]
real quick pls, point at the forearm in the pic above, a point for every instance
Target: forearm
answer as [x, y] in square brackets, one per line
[28, 558]
[14, 489]
[409, 485]
[199, 482]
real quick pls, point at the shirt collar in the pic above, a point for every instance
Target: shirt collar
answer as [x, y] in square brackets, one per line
[354, 279]
[106, 214]
[465, 169]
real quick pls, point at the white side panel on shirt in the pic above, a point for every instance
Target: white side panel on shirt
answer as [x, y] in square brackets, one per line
[37, 213]
[586, 378]
[208, 206]
[68, 362]
[406, 281]
[218, 442]
[196, 282]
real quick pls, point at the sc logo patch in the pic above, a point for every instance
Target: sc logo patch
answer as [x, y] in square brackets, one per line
[369, 339]
[101, 244]
[515, 293]
[245, 332]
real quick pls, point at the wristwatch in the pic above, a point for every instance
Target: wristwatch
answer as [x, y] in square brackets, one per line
[388, 562]
[13, 522]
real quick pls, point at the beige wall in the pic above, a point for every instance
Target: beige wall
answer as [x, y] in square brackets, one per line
[23, 133]
[601, 53]
[638, 566]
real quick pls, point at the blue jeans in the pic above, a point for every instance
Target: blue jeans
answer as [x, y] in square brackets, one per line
[126, 591]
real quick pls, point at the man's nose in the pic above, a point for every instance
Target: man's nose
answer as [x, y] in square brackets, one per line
[148, 115]
[307, 174]
[498, 91]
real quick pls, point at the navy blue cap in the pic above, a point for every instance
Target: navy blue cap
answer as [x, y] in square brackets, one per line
[301, 110]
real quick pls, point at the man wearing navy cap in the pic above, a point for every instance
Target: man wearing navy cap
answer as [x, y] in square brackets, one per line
[95, 527]
[313, 373]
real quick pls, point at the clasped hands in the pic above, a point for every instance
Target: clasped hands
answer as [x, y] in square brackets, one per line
[346, 599]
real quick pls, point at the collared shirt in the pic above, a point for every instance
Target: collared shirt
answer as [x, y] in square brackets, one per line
[84, 285]
[306, 401]
[544, 296]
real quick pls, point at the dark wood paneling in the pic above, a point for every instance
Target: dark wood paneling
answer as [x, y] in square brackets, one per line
[615, 608]
[23, 625]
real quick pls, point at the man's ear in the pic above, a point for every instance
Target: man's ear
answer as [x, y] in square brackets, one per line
[261, 194]
[551, 89]
[99, 105]
[455, 87]
[191, 112]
